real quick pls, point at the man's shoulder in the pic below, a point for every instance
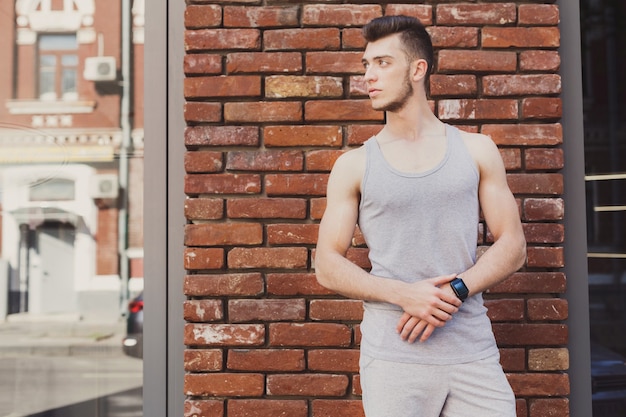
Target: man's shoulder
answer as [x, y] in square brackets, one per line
[482, 149]
[349, 169]
[478, 143]
[351, 158]
[474, 138]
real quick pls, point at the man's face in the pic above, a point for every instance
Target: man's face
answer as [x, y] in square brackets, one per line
[387, 74]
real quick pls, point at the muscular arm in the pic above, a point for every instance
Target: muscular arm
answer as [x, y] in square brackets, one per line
[423, 299]
[508, 252]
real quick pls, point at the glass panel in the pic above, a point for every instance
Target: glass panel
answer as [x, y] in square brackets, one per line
[603, 40]
[55, 189]
[47, 77]
[71, 224]
[57, 42]
[68, 81]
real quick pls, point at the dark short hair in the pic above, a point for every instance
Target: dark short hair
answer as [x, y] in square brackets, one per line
[416, 40]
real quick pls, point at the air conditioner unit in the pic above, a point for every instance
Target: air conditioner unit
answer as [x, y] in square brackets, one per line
[104, 186]
[100, 68]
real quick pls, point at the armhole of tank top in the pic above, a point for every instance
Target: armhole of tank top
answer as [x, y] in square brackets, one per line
[366, 171]
[467, 155]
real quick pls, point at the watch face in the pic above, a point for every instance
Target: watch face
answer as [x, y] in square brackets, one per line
[460, 289]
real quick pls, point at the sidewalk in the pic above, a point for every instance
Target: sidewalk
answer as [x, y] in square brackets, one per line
[24, 335]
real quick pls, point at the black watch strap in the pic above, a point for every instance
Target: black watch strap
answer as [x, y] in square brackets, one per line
[459, 288]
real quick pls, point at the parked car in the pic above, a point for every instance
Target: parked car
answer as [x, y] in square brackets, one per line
[608, 382]
[133, 341]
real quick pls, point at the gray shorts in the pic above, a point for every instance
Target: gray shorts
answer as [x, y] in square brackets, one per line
[392, 389]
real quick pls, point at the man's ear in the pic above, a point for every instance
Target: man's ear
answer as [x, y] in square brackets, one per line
[419, 69]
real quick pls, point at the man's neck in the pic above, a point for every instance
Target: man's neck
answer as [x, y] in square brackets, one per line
[412, 122]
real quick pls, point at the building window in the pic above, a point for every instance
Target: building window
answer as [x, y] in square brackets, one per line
[53, 189]
[58, 67]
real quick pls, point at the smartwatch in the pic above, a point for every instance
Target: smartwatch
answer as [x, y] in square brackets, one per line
[459, 288]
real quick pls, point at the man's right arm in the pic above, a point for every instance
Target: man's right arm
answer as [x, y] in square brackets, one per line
[336, 231]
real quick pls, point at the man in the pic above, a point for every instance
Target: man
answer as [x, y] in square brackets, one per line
[415, 190]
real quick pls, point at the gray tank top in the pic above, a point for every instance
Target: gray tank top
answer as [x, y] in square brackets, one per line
[418, 226]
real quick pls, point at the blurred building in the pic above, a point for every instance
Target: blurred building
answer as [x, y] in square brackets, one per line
[71, 156]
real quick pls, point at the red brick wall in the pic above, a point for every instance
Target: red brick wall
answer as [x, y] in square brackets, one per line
[273, 96]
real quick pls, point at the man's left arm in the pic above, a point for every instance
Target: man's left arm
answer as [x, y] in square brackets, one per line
[508, 252]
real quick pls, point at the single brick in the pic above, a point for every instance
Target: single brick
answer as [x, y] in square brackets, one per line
[222, 136]
[547, 309]
[220, 285]
[266, 360]
[281, 257]
[302, 135]
[222, 384]
[202, 16]
[481, 109]
[341, 110]
[476, 14]
[525, 134]
[203, 310]
[294, 284]
[287, 86]
[339, 15]
[218, 335]
[336, 310]
[265, 160]
[222, 184]
[453, 37]
[266, 208]
[545, 257]
[203, 360]
[325, 39]
[204, 208]
[223, 234]
[503, 310]
[264, 62]
[291, 234]
[218, 39]
[261, 17]
[476, 61]
[539, 384]
[203, 258]
[514, 85]
[262, 112]
[267, 408]
[532, 37]
[310, 334]
[538, 14]
[548, 359]
[202, 64]
[241, 311]
[536, 209]
[204, 408]
[333, 360]
[521, 334]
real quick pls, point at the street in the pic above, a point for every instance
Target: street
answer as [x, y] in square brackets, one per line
[68, 386]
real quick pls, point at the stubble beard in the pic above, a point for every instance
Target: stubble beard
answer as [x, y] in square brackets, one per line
[398, 103]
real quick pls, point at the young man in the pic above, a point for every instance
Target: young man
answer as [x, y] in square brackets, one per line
[415, 190]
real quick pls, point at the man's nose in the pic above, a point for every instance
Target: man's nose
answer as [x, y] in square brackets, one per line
[369, 74]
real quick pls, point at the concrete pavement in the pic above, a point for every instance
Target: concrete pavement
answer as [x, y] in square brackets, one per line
[60, 336]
